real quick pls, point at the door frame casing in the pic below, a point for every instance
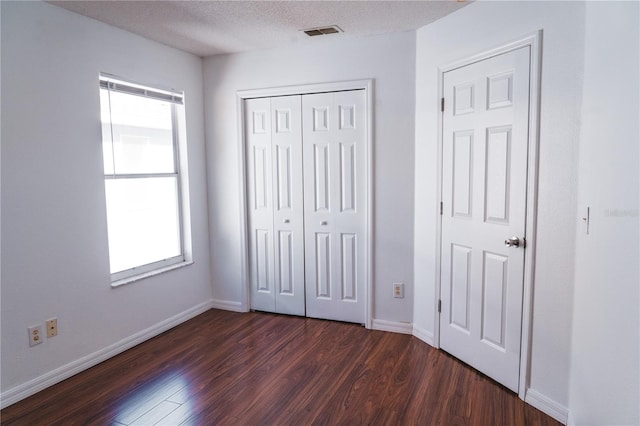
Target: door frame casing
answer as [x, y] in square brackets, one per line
[534, 42]
[304, 89]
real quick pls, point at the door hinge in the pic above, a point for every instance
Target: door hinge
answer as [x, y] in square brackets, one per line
[442, 104]
[439, 306]
[441, 208]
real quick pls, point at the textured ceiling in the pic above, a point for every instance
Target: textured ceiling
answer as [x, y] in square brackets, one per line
[213, 27]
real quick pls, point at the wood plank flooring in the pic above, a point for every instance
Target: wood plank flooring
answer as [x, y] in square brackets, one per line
[261, 369]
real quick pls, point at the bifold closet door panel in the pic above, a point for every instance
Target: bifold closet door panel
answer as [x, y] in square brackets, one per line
[334, 167]
[273, 137]
[288, 226]
[257, 122]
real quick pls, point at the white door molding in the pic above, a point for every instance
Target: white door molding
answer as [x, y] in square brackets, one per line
[534, 41]
[367, 86]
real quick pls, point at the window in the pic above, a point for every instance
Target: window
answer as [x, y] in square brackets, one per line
[142, 177]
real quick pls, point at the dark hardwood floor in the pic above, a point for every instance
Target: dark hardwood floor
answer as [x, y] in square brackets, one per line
[256, 368]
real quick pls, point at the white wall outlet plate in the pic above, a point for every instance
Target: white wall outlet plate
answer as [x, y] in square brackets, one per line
[52, 327]
[36, 334]
[398, 290]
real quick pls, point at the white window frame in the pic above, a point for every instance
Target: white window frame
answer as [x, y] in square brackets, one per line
[175, 98]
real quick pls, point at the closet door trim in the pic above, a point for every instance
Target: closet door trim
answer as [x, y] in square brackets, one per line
[241, 95]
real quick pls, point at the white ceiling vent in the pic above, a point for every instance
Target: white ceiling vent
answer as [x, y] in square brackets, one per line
[312, 32]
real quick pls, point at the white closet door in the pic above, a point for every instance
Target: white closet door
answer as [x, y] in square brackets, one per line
[257, 132]
[288, 227]
[334, 151]
[273, 130]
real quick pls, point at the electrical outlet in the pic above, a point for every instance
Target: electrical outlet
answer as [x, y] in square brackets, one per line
[398, 290]
[52, 327]
[36, 334]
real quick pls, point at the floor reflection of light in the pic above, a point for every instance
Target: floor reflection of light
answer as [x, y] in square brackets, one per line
[165, 396]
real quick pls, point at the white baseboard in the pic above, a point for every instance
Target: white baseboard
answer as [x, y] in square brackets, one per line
[33, 386]
[570, 420]
[547, 405]
[403, 328]
[228, 305]
[392, 326]
[423, 334]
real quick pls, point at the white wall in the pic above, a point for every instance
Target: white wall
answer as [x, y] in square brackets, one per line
[390, 60]
[474, 29]
[605, 356]
[54, 236]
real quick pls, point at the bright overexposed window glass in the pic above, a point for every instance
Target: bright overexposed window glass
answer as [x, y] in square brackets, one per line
[142, 180]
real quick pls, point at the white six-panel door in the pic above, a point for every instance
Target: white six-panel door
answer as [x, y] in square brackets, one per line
[273, 132]
[484, 146]
[334, 151]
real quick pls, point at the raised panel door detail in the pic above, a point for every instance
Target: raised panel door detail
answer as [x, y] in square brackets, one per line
[335, 219]
[321, 184]
[283, 177]
[485, 146]
[259, 122]
[462, 173]
[460, 286]
[260, 177]
[260, 200]
[494, 296]
[262, 259]
[347, 116]
[283, 120]
[275, 215]
[497, 166]
[348, 259]
[500, 90]
[323, 265]
[285, 267]
[348, 177]
[321, 119]
[463, 99]
[288, 215]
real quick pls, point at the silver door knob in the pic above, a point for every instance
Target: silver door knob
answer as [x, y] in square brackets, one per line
[323, 223]
[512, 242]
[285, 221]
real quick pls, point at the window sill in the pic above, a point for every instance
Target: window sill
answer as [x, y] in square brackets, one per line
[149, 274]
